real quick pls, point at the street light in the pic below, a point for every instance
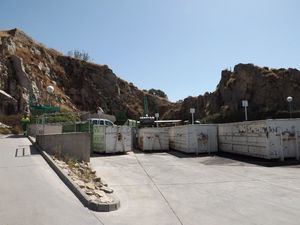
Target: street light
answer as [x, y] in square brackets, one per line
[192, 111]
[289, 100]
[50, 90]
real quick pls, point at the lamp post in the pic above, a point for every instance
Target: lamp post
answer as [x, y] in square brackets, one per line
[50, 90]
[289, 100]
[156, 116]
[245, 105]
[192, 111]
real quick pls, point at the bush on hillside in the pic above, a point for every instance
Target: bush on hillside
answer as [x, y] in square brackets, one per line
[82, 55]
[158, 93]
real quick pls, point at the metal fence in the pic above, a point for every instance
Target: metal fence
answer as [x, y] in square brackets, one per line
[61, 123]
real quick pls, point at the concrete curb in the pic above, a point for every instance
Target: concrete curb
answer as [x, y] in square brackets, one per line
[80, 194]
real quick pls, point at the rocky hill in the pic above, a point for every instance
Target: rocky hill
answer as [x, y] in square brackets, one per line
[27, 68]
[265, 89]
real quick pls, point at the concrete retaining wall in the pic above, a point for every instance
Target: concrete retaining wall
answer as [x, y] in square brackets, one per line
[39, 129]
[74, 145]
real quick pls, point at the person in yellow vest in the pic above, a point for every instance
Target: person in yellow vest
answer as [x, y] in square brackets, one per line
[24, 122]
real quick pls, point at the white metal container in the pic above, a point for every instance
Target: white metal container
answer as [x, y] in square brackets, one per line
[111, 139]
[196, 138]
[270, 139]
[153, 139]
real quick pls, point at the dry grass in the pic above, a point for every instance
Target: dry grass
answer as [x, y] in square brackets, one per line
[16, 130]
[4, 130]
[11, 120]
[81, 169]
[3, 34]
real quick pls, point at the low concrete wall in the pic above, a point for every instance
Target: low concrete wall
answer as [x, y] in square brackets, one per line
[39, 129]
[74, 145]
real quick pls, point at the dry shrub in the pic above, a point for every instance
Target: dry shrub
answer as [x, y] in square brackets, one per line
[16, 130]
[11, 120]
[4, 130]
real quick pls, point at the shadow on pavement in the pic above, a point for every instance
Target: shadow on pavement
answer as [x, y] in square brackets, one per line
[229, 158]
[22, 151]
[222, 158]
[189, 155]
[16, 136]
[137, 151]
[259, 161]
[99, 155]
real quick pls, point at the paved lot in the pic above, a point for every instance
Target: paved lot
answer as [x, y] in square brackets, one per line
[154, 189]
[31, 193]
[162, 188]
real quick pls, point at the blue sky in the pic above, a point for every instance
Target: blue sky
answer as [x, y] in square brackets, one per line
[178, 46]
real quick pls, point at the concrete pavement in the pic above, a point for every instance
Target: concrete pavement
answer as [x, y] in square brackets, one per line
[161, 188]
[154, 189]
[31, 193]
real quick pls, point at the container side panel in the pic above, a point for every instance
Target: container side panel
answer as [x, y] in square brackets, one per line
[118, 139]
[98, 139]
[246, 138]
[153, 139]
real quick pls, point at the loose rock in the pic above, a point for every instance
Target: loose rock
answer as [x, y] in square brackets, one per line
[106, 189]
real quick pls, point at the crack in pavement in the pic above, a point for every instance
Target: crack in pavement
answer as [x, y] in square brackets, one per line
[169, 205]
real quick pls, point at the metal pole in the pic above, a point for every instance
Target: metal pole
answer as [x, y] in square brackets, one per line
[89, 122]
[74, 125]
[192, 118]
[208, 137]
[246, 114]
[281, 146]
[290, 104]
[43, 121]
[297, 147]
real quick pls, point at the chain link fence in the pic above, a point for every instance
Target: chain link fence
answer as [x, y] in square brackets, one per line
[60, 123]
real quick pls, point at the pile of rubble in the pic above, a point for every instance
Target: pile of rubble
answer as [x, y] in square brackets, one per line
[85, 177]
[2, 125]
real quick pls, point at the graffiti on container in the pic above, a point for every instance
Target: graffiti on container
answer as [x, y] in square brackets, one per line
[119, 136]
[141, 142]
[203, 138]
[287, 135]
[254, 129]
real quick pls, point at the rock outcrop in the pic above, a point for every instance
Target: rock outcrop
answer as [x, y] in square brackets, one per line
[27, 68]
[265, 89]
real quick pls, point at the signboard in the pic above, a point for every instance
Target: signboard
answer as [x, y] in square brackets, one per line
[192, 110]
[245, 103]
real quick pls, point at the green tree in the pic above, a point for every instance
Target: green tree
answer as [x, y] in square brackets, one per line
[158, 92]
